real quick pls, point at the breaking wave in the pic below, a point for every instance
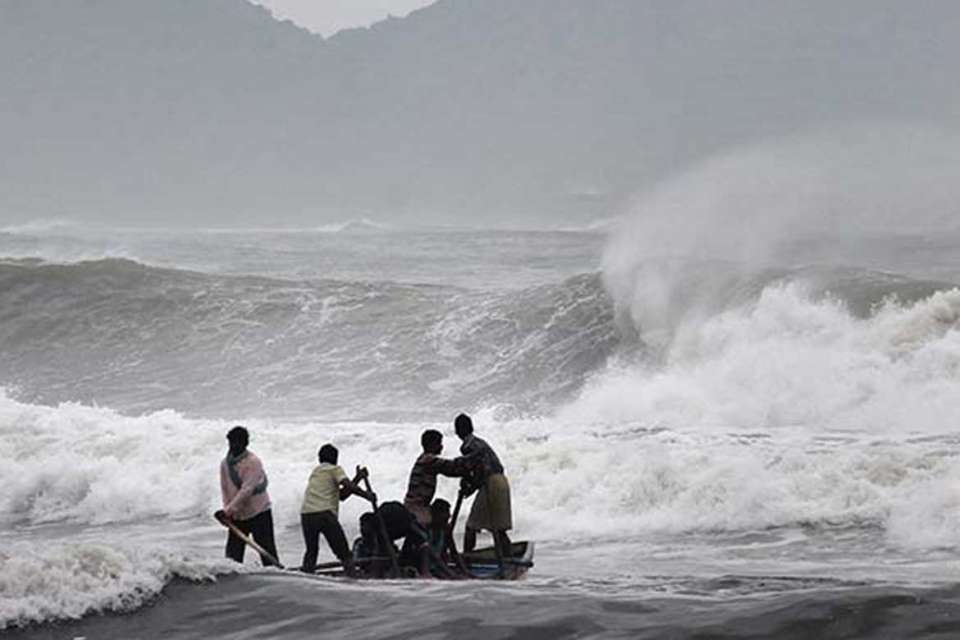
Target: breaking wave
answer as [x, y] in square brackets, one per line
[140, 338]
[788, 409]
[817, 399]
[46, 583]
[143, 338]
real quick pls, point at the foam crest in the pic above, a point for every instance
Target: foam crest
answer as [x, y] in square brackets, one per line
[41, 226]
[93, 465]
[59, 582]
[843, 196]
[786, 410]
[789, 360]
[572, 478]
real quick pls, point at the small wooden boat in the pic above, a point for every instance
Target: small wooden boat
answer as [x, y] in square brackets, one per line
[481, 563]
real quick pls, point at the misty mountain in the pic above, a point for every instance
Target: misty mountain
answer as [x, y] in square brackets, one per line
[212, 112]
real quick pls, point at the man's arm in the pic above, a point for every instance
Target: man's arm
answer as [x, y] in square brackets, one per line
[250, 478]
[224, 484]
[456, 468]
[472, 454]
[350, 487]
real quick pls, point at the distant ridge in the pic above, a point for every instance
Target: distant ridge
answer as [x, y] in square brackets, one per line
[212, 112]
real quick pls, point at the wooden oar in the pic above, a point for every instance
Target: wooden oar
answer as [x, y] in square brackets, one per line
[394, 565]
[248, 540]
[457, 558]
[456, 511]
[339, 565]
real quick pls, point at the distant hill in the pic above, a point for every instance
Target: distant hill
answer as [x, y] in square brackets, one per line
[182, 111]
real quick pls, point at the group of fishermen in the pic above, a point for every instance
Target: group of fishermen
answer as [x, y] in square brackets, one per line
[422, 522]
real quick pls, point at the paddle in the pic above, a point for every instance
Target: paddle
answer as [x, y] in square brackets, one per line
[456, 511]
[394, 565]
[246, 538]
[457, 558]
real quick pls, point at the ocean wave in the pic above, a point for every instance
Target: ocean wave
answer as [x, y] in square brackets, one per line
[41, 226]
[792, 357]
[351, 225]
[648, 482]
[144, 338]
[359, 225]
[787, 410]
[573, 479]
[75, 463]
[43, 583]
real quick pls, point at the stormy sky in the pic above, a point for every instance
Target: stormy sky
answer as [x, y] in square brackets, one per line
[494, 112]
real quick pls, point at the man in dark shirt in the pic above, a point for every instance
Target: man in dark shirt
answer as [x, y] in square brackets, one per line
[398, 523]
[491, 508]
[423, 477]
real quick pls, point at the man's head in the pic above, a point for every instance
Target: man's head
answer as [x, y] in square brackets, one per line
[238, 439]
[328, 453]
[463, 425]
[368, 529]
[432, 441]
[439, 512]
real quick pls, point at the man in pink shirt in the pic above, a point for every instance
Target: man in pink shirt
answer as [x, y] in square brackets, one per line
[243, 486]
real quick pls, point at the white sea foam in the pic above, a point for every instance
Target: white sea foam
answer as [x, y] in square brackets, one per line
[91, 465]
[87, 464]
[67, 581]
[573, 479]
[41, 226]
[787, 361]
[787, 410]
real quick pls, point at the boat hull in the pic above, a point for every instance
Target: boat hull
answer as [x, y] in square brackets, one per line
[481, 563]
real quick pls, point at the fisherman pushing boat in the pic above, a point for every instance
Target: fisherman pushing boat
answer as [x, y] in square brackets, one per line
[327, 487]
[422, 484]
[424, 524]
[246, 503]
[491, 510]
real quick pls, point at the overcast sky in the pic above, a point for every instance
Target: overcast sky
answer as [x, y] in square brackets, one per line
[329, 16]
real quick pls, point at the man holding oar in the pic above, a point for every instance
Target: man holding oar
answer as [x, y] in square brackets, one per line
[327, 486]
[246, 504]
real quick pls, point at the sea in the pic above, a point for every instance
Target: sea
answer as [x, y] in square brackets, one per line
[701, 444]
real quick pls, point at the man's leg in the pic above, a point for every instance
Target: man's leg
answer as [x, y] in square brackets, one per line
[236, 546]
[469, 540]
[498, 552]
[337, 541]
[311, 539]
[424, 567]
[502, 540]
[261, 527]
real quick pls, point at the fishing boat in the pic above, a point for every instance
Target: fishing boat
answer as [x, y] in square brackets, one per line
[481, 564]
